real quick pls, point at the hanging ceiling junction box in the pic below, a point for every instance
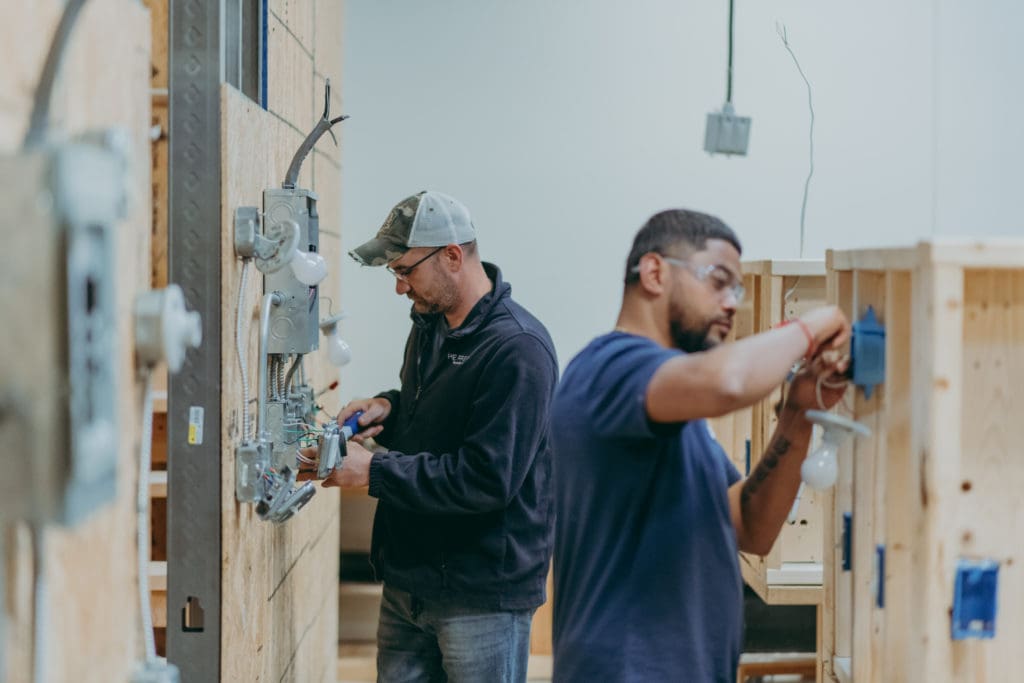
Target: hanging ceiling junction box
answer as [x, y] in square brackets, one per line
[727, 133]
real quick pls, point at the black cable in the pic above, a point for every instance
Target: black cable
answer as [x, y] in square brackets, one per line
[44, 90]
[728, 80]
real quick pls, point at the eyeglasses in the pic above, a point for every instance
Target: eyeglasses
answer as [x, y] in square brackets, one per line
[719, 277]
[402, 272]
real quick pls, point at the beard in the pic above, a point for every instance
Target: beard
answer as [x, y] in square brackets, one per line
[441, 298]
[690, 339]
[687, 335]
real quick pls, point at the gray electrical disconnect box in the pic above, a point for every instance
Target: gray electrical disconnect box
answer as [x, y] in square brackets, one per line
[59, 431]
[727, 133]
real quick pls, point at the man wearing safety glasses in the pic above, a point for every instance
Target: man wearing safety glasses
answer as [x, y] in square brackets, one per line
[650, 512]
[462, 532]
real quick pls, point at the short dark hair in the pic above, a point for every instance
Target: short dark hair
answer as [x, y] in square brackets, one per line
[667, 231]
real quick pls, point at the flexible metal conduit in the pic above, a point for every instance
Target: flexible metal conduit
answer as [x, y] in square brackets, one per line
[269, 299]
[240, 349]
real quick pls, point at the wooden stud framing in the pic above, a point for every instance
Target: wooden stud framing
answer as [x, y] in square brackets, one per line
[940, 477]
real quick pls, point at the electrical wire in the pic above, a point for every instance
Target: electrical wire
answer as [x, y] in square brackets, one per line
[781, 30]
[728, 78]
[799, 368]
[40, 118]
[291, 372]
[792, 289]
[142, 510]
[830, 385]
[243, 370]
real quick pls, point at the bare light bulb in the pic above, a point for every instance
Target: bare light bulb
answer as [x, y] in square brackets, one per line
[820, 469]
[309, 268]
[338, 350]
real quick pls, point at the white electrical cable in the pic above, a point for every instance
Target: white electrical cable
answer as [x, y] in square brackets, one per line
[40, 118]
[830, 385]
[142, 510]
[241, 351]
[796, 505]
[41, 635]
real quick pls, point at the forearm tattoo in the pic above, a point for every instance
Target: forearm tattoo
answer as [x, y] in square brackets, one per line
[780, 446]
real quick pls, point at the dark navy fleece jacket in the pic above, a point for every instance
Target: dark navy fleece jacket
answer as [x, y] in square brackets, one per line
[465, 511]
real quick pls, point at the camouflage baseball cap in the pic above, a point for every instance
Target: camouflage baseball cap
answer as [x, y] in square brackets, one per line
[426, 219]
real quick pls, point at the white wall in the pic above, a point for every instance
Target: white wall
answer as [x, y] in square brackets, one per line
[563, 124]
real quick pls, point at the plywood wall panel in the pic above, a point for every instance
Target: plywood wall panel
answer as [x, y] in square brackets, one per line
[297, 15]
[279, 581]
[290, 78]
[93, 614]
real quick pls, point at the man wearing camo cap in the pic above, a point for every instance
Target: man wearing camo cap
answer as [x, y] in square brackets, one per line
[462, 534]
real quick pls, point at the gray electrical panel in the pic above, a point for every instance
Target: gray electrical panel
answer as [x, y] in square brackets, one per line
[59, 431]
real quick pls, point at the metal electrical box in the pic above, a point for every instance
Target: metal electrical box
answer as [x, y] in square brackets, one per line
[294, 325]
[726, 133]
[59, 431]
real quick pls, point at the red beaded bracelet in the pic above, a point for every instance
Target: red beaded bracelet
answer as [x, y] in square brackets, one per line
[807, 332]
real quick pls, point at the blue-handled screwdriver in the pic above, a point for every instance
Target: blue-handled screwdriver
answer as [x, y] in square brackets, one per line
[351, 427]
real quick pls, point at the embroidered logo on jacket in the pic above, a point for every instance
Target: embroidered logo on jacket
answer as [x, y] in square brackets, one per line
[458, 358]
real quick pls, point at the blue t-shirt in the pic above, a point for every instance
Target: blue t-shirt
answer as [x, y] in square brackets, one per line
[647, 580]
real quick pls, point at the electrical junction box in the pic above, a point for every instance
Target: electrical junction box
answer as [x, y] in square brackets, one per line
[285, 419]
[975, 593]
[59, 431]
[867, 352]
[294, 325]
[727, 133]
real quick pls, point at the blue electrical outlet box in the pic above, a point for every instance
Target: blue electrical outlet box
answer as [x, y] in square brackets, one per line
[880, 576]
[847, 561]
[974, 599]
[867, 350]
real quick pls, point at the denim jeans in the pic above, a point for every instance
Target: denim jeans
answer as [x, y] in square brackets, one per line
[433, 641]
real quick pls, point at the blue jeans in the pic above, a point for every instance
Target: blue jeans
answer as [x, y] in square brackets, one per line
[433, 641]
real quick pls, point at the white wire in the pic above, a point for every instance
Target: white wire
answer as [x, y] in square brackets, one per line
[142, 510]
[241, 351]
[830, 385]
[793, 288]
